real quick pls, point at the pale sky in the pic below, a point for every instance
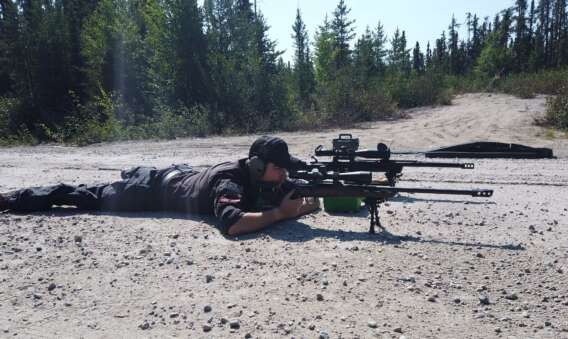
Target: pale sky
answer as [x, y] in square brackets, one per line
[423, 21]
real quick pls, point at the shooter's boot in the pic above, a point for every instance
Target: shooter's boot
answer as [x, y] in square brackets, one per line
[4, 201]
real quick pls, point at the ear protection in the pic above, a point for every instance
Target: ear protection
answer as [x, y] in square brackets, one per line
[256, 166]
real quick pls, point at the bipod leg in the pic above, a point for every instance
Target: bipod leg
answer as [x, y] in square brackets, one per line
[373, 208]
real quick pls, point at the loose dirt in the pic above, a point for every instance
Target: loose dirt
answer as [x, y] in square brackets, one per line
[448, 267]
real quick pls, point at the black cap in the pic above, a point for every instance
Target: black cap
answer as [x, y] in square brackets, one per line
[274, 150]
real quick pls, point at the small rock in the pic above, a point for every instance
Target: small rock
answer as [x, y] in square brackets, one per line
[484, 300]
[234, 324]
[145, 325]
[319, 297]
[397, 330]
[479, 255]
[372, 324]
[78, 238]
[207, 308]
[512, 296]
[209, 278]
[432, 299]
[312, 327]
[51, 287]
[206, 328]
[323, 335]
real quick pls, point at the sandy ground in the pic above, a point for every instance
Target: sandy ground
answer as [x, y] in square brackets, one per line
[449, 267]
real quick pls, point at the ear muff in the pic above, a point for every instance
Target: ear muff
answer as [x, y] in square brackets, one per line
[256, 166]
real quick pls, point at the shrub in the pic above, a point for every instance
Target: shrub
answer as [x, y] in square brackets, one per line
[423, 90]
[526, 85]
[372, 104]
[557, 110]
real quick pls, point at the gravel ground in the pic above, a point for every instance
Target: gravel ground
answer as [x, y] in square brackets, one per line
[448, 267]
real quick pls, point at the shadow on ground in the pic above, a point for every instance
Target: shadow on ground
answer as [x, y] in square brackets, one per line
[291, 231]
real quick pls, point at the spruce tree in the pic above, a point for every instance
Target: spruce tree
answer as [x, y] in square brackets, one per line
[191, 82]
[417, 60]
[342, 29]
[522, 36]
[8, 40]
[364, 59]
[324, 49]
[380, 50]
[453, 45]
[303, 69]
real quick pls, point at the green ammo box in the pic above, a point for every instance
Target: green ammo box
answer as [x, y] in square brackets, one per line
[342, 204]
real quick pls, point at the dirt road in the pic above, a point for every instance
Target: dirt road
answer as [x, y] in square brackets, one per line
[449, 267]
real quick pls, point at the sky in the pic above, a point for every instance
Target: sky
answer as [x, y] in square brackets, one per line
[422, 20]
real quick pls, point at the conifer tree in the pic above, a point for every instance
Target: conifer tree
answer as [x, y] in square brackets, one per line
[417, 60]
[364, 59]
[453, 45]
[380, 50]
[303, 68]
[8, 39]
[522, 36]
[342, 29]
[324, 49]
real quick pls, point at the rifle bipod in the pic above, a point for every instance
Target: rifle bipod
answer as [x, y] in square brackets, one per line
[372, 205]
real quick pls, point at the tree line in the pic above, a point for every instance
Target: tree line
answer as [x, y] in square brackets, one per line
[93, 70]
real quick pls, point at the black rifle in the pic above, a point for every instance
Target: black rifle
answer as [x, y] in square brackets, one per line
[360, 185]
[348, 176]
[346, 157]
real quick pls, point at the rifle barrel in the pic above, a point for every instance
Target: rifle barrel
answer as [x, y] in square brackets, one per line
[374, 191]
[385, 165]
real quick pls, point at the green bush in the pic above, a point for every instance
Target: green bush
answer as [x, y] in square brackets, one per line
[7, 106]
[557, 109]
[372, 104]
[10, 133]
[414, 91]
[527, 85]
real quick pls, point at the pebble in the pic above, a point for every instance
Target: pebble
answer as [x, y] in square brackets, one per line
[372, 324]
[484, 300]
[209, 278]
[51, 287]
[145, 325]
[78, 238]
[234, 324]
[319, 297]
[207, 308]
[512, 296]
[398, 330]
[206, 328]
